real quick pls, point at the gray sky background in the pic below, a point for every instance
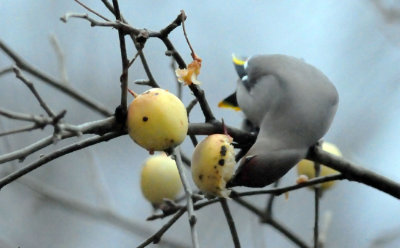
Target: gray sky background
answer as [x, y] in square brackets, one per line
[355, 43]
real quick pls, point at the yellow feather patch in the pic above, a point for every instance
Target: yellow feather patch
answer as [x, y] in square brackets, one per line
[237, 61]
[224, 104]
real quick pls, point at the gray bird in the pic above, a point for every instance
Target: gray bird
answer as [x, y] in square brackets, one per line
[292, 103]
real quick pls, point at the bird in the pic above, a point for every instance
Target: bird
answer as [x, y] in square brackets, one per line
[292, 104]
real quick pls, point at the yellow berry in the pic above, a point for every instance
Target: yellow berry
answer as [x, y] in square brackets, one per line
[213, 164]
[160, 179]
[157, 120]
[306, 167]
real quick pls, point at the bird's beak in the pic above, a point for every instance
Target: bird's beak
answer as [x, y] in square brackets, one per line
[239, 63]
[230, 102]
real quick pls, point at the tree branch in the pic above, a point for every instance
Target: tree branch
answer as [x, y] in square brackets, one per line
[32, 88]
[354, 172]
[231, 223]
[271, 221]
[124, 59]
[107, 215]
[53, 82]
[155, 238]
[99, 127]
[20, 130]
[58, 153]
[189, 200]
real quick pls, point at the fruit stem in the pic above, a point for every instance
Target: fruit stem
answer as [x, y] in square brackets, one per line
[132, 93]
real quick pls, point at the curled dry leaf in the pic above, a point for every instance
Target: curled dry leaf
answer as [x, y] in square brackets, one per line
[189, 75]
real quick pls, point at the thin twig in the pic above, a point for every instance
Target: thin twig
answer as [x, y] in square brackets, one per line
[56, 154]
[354, 172]
[271, 198]
[96, 212]
[99, 127]
[317, 190]
[107, 215]
[326, 222]
[183, 16]
[230, 221]
[60, 57]
[163, 35]
[91, 10]
[124, 59]
[39, 120]
[85, 100]
[235, 195]
[139, 48]
[279, 191]
[185, 159]
[20, 130]
[271, 221]
[216, 127]
[32, 88]
[188, 110]
[189, 200]
[281, 228]
[98, 181]
[197, 91]
[191, 104]
[6, 70]
[133, 59]
[155, 238]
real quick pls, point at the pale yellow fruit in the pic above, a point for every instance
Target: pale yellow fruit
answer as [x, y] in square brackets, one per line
[157, 120]
[306, 167]
[160, 179]
[213, 164]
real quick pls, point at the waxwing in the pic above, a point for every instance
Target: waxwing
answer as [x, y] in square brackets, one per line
[291, 102]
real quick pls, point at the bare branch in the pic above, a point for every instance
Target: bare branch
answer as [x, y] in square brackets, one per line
[91, 10]
[354, 172]
[270, 203]
[279, 191]
[189, 200]
[157, 236]
[32, 88]
[134, 58]
[53, 82]
[107, 215]
[96, 176]
[125, 28]
[230, 221]
[183, 16]
[281, 228]
[39, 120]
[60, 57]
[142, 82]
[6, 70]
[238, 135]
[124, 59]
[96, 127]
[139, 48]
[271, 221]
[20, 130]
[58, 153]
[317, 193]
